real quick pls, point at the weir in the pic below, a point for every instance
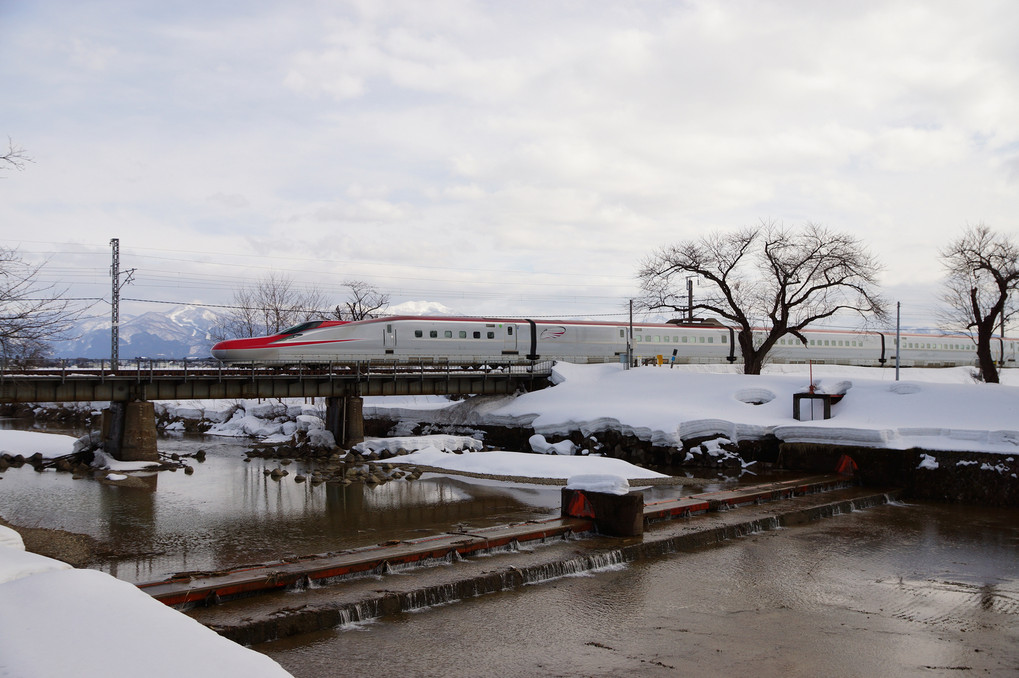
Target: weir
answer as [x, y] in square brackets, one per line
[331, 603]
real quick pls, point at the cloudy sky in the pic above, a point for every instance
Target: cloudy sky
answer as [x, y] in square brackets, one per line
[496, 157]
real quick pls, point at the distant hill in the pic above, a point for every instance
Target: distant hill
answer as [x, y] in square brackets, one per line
[181, 332]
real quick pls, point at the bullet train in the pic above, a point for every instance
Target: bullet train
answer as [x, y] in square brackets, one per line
[481, 340]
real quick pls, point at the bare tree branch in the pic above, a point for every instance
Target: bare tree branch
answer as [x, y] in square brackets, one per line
[32, 314]
[980, 288]
[15, 156]
[271, 306]
[364, 301]
[767, 280]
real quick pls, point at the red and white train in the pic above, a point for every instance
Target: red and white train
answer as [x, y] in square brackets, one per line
[464, 340]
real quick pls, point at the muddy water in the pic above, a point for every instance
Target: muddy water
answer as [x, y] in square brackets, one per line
[901, 590]
[228, 513]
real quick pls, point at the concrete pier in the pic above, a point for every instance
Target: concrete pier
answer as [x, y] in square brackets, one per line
[345, 420]
[129, 431]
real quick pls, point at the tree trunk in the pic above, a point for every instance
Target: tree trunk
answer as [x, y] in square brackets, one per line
[985, 358]
[753, 360]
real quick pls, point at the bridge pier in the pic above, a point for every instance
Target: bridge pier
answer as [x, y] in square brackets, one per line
[345, 420]
[129, 431]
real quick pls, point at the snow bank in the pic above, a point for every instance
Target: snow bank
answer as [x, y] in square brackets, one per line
[106, 628]
[17, 563]
[541, 446]
[11, 539]
[934, 409]
[527, 465]
[593, 482]
[27, 443]
[440, 442]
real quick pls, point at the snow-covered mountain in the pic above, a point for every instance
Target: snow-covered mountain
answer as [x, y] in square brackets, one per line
[181, 332]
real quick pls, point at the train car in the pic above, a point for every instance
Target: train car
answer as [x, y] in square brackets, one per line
[480, 340]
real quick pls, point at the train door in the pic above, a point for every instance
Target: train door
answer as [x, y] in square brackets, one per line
[389, 338]
[509, 339]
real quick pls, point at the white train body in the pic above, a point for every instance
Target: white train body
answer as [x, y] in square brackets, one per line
[413, 338]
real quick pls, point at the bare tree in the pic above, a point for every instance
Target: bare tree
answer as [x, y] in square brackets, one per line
[768, 281]
[365, 301]
[272, 305]
[32, 313]
[983, 271]
[15, 156]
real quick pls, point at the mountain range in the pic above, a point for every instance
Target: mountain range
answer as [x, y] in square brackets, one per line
[181, 332]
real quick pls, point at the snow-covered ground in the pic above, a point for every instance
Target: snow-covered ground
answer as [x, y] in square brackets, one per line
[59, 621]
[929, 408]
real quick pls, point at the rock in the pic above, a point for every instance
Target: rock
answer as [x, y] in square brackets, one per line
[200, 456]
[188, 470]
[299, 478]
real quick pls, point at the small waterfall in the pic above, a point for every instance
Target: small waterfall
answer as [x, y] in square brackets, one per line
[581, 565]
[358, 613]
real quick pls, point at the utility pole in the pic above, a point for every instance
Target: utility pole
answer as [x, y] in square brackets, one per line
[115, 302]
[689, 300]
[898, 342]
[629, 340]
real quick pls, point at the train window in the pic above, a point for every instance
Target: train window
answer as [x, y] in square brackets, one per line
[725, 339]
[418, 333]
[463, 334]
[826, 342]
[448, 334]
[477, 335]
[700, 340]
[811, 342]
[622, 334]
[491, 335]
[433, 334]
[685, 339]
[509, 331]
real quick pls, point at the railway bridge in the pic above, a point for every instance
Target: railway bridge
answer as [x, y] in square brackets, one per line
[129, 425]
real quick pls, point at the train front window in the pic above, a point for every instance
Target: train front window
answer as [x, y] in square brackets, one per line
[303, 327]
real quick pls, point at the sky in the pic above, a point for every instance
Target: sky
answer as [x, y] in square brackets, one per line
[497, 158]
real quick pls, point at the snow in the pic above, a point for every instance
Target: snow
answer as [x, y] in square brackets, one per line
[27, 443]
[594, 482]
[526, 465]
[541, 446]
[86, 623]
[445, 443]
[10, 538]
[936, 409]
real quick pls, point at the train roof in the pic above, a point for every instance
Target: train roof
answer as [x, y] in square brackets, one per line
[706, 324]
